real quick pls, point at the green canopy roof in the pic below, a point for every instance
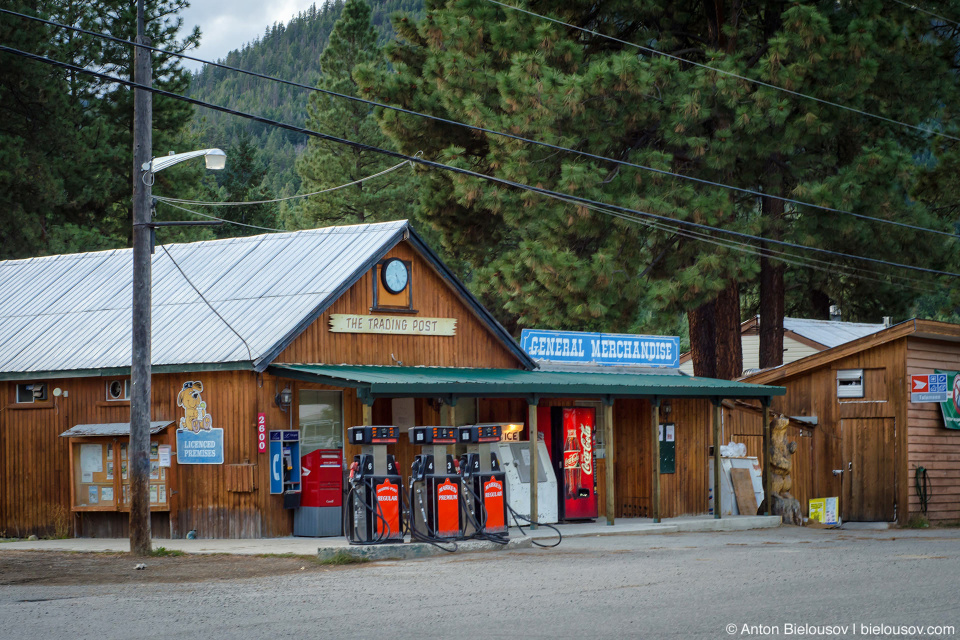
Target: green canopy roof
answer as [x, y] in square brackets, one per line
[406, 382]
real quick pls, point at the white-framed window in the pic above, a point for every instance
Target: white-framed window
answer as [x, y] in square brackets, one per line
[850, 383]
[31, 392]
[321, 420]
[118, 390]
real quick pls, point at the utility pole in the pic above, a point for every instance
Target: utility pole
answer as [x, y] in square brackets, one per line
[140, 543]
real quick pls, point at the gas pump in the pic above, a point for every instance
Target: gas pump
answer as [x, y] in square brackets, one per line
[434, 497]
[484, 483]
[373, 502]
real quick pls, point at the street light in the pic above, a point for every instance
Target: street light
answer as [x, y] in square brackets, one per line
[215, 159]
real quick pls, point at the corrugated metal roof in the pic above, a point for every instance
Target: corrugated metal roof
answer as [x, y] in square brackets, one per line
[73, 312]
[830, 333]
[386, 381]
[111, 429]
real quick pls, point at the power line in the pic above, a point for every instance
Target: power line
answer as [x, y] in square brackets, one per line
[494, 132]
[217, 313]
[480, 176]
[929, 13]
[204, 215]
[731, 74]
[207, 203]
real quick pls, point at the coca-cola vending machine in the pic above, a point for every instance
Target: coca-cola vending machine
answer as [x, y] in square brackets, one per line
[572, 430]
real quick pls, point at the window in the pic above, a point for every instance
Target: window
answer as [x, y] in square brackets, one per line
[850, 383]
[321, 420]
[118, 390]
[31, 392]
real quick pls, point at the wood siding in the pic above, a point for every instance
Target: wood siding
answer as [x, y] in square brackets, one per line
[930, 444]
[472, 346]
[813, 392]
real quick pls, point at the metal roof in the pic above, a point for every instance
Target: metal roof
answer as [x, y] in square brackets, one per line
[72, 313]
[386, 381]
[830, 333]
[111, 429]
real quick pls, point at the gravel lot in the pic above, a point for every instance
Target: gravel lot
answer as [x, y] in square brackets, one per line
[652, 586]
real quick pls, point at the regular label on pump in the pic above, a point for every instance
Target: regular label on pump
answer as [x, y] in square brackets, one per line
[388, 497]
[448, 509]
[493, 504]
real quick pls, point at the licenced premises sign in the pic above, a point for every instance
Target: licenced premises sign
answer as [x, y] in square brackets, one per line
[576, 347]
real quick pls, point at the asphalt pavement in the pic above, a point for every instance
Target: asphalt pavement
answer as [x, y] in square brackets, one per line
[782, 583]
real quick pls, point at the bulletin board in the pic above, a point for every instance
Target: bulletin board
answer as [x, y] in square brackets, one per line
[101, 475]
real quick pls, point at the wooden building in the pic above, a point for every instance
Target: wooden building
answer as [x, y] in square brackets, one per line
[860, 437]
[357, 323]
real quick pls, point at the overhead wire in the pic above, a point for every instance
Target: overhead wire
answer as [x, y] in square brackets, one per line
[467, 172]
[731, 74]
[929, 13]
[209, 203]
[494, 132]
[207, 302]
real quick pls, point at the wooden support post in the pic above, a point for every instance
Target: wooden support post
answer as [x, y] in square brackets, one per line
[367, 414]
[655, 432]
[766, 455]
[447, 415]
[609, 463]
[534, 462]
[717, 507]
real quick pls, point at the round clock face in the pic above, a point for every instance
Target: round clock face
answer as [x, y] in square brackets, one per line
[395, 276]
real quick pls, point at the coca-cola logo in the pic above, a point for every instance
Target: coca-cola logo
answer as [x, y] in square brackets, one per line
[586, 445]
[571, 459]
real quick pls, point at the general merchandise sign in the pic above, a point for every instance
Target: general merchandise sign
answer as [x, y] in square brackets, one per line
[579, 347]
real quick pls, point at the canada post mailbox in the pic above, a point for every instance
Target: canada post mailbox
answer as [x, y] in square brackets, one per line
[321, 494]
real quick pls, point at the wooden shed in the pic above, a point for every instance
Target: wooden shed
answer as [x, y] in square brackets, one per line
[283, 312]
[860, 434]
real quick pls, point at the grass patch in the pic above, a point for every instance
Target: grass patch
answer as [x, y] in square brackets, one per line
[163, 552]
[342, 558]
[917, 522]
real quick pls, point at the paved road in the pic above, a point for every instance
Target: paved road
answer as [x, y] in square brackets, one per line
[662, 586]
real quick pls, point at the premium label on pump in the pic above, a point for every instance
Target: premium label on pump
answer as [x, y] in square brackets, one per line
[448, 509]
[493, 504]
[388, 498]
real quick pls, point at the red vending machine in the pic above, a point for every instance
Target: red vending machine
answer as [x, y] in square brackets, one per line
[321, 494]
[572, 430]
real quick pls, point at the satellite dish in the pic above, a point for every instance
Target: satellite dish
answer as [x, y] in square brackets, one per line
[57, 392]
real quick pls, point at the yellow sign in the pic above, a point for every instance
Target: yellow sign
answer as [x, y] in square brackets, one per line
[397, 325]
[825, 510]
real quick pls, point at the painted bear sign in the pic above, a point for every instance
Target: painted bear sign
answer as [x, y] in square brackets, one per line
[197, 441]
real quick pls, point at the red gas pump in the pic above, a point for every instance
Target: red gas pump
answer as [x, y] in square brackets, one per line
[376, 488]
[484, 483]
[434, 493]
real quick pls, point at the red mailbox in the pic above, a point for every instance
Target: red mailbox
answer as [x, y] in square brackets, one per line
[321, 494]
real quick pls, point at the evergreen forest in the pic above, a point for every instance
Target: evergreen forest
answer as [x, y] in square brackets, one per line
[727, 160]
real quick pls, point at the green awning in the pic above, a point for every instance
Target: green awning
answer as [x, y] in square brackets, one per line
[409, 382]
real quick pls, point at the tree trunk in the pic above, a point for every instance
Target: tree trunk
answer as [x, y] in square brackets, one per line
[771, 292]
[729, 345]
[703, 339]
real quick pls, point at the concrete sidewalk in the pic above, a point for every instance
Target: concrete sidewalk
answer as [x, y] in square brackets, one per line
[326, 547]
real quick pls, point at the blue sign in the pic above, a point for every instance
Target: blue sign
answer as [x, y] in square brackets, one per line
[204, 447]
[577, 347]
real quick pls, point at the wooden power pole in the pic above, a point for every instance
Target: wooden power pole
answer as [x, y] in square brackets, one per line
[140, 543]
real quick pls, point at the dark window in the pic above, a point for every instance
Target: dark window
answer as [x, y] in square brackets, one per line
[31, 392]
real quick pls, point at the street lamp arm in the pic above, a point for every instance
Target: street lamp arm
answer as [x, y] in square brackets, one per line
[215, 159]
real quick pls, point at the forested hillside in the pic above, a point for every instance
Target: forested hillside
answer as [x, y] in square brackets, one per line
[292, 52]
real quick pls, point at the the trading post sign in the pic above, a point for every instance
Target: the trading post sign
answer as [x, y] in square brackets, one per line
[951, 406]
[930, 387]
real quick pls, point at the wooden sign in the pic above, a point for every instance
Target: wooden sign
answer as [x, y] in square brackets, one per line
[397, 325]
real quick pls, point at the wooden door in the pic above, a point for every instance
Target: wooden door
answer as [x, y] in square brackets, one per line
[869, 469]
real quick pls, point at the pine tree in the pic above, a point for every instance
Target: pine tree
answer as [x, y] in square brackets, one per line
[353, 42]
[544, 263]
[244, 180]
